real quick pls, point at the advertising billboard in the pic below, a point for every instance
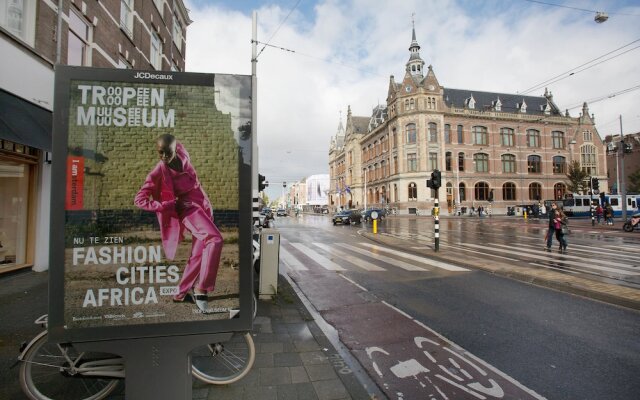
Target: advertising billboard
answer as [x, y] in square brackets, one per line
[151, 204]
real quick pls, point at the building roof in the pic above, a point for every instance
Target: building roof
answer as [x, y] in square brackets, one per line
[486, 101]
[361, 125]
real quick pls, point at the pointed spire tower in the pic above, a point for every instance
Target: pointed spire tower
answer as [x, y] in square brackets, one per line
[415, 65]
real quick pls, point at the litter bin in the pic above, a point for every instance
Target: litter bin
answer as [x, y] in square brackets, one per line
[269, 263]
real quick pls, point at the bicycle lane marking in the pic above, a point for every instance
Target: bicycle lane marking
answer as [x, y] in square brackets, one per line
[408, 360]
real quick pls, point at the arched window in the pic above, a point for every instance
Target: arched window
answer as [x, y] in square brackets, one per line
[559, 190]
[535, 191]
[433, 132]
[406, 105]
[557, 139]
[509, 191]
[481, 161]
[480, 135]
[413, 192]
[482, 191]
[411, 133]
[533, 138]
[507, 137]
[559, 165]
[508, 163]
[463, 192]
[449, 189]
[412, 104]
[534, 164]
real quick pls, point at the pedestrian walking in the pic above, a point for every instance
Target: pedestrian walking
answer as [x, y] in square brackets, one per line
[552, 230]
[560, 225]
[599, 213]
[608, 213]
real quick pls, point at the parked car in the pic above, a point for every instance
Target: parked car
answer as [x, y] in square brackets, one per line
[281, 212]
[324, 210]
[382, 214]
[347, 217]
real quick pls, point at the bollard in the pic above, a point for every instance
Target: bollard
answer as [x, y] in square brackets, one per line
[525, 214]
[375, 226]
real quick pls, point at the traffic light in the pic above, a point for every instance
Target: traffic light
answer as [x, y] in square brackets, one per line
[628, 148]
[436, 179]
[595, 184]
[284, 184]
[262, 184]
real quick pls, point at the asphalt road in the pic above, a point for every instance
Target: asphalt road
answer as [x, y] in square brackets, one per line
[403, 316]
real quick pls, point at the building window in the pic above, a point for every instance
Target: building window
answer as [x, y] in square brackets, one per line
[461, 162]
[159, 5]
[534, 164]
[463, 192]
[177, 32]
[588, 159]
[588, 136]
[460, 135]
[413, 192]
[78, 50]
[412, 104]
[508, 163]
[433, 161]
[411, 133]
[481, 161]
[482, 191]
[559, 165]
[447, 133]
[412, 162]
[559, 189]
[535, 191]
[126, 17]
[395, 164]
[533, 138]
[447, 161]
[558, 139]
[507, 137]
[155, 56]
[395, 192]
[509, 191]
[18, 17]
[394, 138]
[433, 132]
[480, 135]
[124, 64]
[406, 105]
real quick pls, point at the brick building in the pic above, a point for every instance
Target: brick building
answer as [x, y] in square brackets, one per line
[147, 35]
[628, 155]
[495, 150]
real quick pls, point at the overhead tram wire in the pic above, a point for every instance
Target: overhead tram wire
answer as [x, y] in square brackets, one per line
[278, 28]
[605, 97]
[573, 71]
[579, 9]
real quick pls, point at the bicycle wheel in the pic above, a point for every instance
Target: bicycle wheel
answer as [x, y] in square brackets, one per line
[226, 362]
[45, 373]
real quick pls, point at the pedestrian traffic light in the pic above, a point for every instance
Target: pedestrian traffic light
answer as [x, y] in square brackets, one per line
[262, 184]
[595, 184]
[436, 179]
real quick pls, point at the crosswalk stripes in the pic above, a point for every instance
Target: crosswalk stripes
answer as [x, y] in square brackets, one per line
[359, 262]
[318, 258]
[290, 260]
[389, 260]
[554, 258]
[433, 263]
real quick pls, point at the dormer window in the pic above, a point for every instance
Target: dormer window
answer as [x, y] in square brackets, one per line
[547, 109]
[498, 105]
[471, 102]
[523, 107]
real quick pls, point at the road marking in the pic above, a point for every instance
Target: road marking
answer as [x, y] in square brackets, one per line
[291, 260]
[353, 260]
[354, 283]
[479, 252]
[388, 260]
[553, 258]
[424, 260]
[323, 261]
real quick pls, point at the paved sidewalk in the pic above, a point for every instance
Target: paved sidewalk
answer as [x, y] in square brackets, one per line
[294, 360]
[607, 292]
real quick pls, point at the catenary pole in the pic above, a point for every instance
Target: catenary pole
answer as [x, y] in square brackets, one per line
[623, 187]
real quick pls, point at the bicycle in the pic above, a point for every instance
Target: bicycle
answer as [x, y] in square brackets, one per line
[58, 371]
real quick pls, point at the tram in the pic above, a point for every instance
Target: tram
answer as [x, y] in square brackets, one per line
[578, 205]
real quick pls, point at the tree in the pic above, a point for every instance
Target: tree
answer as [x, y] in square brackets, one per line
[578, 178]
[634, 182]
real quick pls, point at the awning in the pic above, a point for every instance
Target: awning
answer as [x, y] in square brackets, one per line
[24, 123]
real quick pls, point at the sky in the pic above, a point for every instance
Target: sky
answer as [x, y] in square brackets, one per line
[326, 55]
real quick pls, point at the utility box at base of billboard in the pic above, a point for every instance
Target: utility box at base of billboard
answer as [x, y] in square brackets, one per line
[151, 204]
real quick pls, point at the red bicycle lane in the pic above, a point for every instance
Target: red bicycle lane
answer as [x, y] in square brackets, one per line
[405, 358]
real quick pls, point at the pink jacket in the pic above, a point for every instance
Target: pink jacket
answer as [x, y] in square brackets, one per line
[157, 195]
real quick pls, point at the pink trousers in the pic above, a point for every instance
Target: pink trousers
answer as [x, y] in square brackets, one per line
[206, 247]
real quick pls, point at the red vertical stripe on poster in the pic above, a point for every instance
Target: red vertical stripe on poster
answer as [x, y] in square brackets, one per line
[75, 183]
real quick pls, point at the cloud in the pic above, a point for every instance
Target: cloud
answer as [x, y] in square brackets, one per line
[345, 52]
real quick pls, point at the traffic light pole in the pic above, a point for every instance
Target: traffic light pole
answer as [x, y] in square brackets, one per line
[437, 221]
[593, 216]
